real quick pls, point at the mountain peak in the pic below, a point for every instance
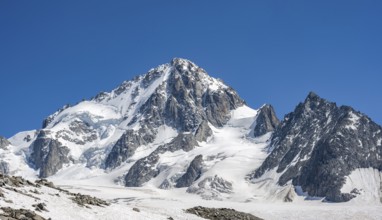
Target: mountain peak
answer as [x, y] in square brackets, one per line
[186, 67]
[312, 95]
[178, 60]
[313, 102]
[178, 95]
[266, 121]
[181, 61]
[320, 136]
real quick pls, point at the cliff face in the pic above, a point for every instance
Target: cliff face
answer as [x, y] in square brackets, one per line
[319, 144]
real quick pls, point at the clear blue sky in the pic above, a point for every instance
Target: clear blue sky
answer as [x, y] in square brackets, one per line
[58, 52]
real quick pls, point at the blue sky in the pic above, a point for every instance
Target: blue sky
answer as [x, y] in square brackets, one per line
[58, 52]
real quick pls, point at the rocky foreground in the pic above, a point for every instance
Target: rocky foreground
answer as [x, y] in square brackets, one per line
[26, 188]
[221, 214]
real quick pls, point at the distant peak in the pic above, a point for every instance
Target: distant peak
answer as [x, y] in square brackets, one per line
[266, 106]
[312, 95]
[180, 62]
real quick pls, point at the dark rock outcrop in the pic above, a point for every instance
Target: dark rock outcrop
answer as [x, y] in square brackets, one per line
[4, 167]
[14, 181]
[146, 168]
[84, 200]
[142, 171]
[203, 132]
[266, 121]
[4, 143]
[45, 182]
[124, 148]
[193, 172]
[184, 141]
[220, 213]
[319, 144]
[40, 207]
[48, 154]
[22, 214]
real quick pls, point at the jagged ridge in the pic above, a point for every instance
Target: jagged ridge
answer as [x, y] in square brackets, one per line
[319, 144]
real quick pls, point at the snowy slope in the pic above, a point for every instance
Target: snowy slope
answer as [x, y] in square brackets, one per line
[59, 205]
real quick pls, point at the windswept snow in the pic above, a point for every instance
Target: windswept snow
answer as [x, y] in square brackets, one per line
[354, 120]
[367, 182]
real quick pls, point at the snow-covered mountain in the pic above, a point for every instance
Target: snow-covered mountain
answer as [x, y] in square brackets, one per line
[172, 127]
[177, 129]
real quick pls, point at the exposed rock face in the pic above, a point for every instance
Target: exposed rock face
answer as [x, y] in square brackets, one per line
[4, 167]
[22, 214]
[193, 172]
[221, 214]
[184, 101]
[142, 171]
[48, 155]
[319, 144]
[184, 141]
[145, 169]
[124, 148]
[203, 132]
[266, 121]
[4, 143]
[191, 99]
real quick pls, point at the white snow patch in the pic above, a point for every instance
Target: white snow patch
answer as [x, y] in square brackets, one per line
[19, 140]
[87, 111]
[354, 119]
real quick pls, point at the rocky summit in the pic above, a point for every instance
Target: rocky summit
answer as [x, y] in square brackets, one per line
[319, 144]
[109, 128]
[170, 108]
